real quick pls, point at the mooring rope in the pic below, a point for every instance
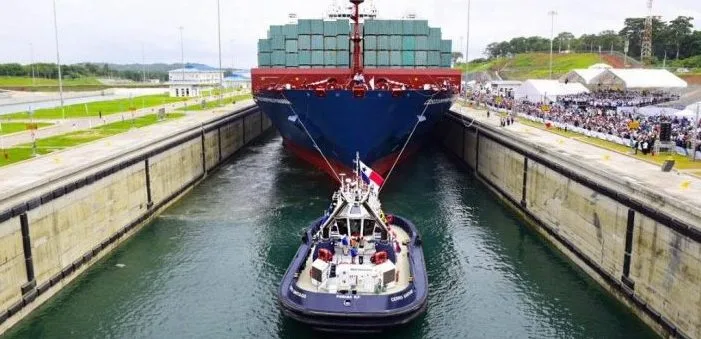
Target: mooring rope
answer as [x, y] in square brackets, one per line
[310, 137]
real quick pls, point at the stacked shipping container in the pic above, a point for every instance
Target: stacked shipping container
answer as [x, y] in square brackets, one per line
[326, 44]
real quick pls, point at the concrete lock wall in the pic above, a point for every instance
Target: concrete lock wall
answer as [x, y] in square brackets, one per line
[627, 240]
[52, 234]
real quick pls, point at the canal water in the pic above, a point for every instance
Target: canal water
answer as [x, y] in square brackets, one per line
[209, 266]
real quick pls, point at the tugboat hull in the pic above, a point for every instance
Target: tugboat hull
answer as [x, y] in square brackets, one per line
[338, 312]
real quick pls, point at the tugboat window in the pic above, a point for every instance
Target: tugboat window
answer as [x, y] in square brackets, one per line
[355, 226]
[368, 227]
[342, 226]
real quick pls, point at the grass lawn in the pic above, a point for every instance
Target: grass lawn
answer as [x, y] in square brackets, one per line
[12, 127]
[27, 81]
[681, 162]
[215, 91]
[214, 103]
[106, 107]
[59, 142]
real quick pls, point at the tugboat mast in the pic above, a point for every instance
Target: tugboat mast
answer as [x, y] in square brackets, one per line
[357, 68]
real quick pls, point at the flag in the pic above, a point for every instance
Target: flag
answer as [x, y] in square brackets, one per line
[371, 177]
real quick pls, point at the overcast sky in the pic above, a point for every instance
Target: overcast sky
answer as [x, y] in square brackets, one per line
[117, 30]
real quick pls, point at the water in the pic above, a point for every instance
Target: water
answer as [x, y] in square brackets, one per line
[210, 265]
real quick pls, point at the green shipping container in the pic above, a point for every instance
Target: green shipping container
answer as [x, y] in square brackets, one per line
[277, 43]
[304, 26]
[434, 58]
[445, 59]
[370, 42]
[421, 58]
[330, 43]
[343, 43]
[383, 58]
[395, 42]
[434, 32]
[408, 43]
[304, 43]
[317, 58]
[330, 58]
[264, 46]
[264, 59]
[278, 58]
[330, 28]
[434, 43]
[446, 46]
[342, 27]
[290, 31]
[408, 27]
[384, 27]
[383, 42]
[396, 27]
[421, 27]
[370, 58]
[421, 43]
[305, 58]
[395, 58]
[317, 42]
[343, 59]
[291, 46]
[275, 30]
[408, 58]
[370, 27]
[317, 26]
[292, 60]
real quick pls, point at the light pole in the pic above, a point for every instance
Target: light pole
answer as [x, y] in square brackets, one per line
[58, 63]
[31, 60]
[552, 37]
[182, 57]
[467, 48]
[221, 75]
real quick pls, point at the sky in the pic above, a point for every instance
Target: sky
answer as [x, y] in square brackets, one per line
[136, 31]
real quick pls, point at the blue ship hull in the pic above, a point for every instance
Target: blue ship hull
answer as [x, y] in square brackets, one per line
[376, 126]
[356, 313]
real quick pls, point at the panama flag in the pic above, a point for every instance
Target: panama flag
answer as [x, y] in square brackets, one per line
[371, 177]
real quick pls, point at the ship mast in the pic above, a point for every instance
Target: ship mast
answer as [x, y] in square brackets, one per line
[357, 68]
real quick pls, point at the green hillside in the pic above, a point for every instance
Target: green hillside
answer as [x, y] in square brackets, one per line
[534, 65]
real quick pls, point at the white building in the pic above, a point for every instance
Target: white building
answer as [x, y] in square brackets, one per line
[189, 81]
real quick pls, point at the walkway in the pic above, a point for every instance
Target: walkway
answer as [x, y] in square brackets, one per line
[679, 186]
[16, 178]
[77, 124]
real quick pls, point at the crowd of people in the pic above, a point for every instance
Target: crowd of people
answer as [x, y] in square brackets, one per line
[599, 112]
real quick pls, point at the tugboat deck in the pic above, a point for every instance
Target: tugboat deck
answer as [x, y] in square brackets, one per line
[402, 265]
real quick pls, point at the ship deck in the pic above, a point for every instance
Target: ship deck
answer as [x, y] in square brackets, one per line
[402, 266]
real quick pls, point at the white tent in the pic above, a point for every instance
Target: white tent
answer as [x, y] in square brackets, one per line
[638, 78]
[547, 90]
[690, 111]
[582, 76]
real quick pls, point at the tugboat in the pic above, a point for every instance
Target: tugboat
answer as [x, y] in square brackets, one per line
[357, 270]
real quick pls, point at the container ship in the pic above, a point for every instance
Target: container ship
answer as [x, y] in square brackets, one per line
[353, 84]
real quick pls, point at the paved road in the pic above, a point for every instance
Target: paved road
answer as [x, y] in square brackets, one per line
[77, 124]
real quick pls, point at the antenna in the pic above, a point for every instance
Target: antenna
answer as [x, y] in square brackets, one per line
[646, 48]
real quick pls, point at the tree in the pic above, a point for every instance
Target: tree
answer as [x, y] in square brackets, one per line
[455, 56]
[563, 38]
[678, 30]
[609, 39]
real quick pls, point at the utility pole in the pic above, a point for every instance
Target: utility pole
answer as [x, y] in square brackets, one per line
[221, 74]
[58, 63]
[552, 37]
[143, 64]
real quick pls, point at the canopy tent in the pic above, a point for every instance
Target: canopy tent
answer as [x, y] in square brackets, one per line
[582, 76]
[690, 111]
[547, 90]
[649, 110]
[638, 78]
